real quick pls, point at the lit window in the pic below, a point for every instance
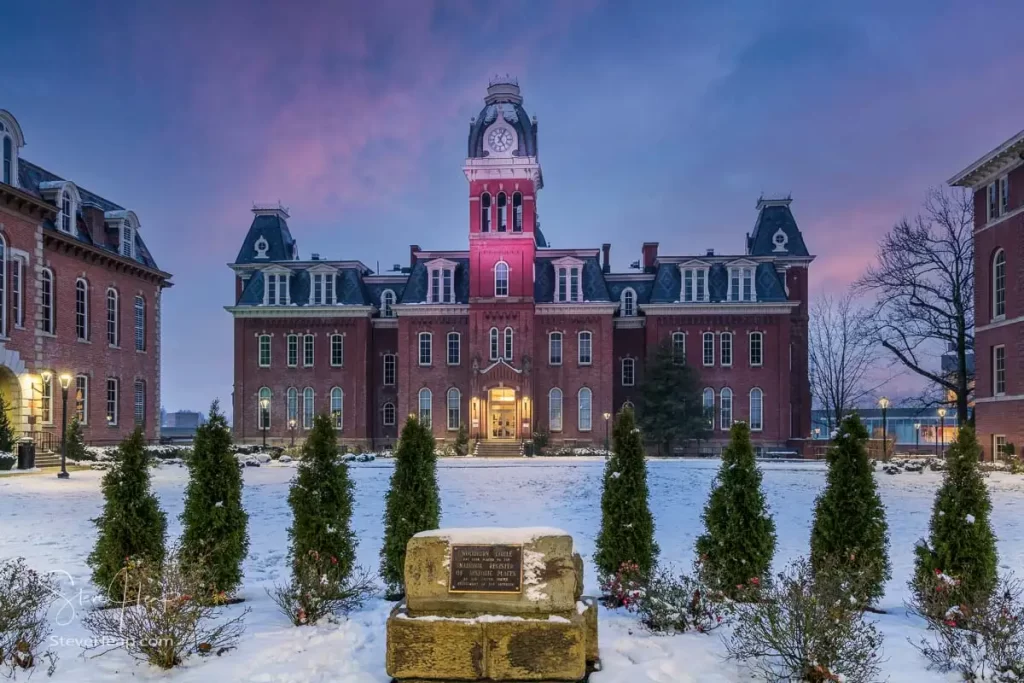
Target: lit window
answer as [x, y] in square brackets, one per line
[628, 372]
[308, 347]
[454, 348]
[501, 279]
[627, 303]
[585, 410]
[113, 318]
[454, 408]
[517, 212]
[709, 406]
[113, 400]
[389, 369]
[387, 300]
[46, 400]
[999, 285]
[555, 410]
[695, 284]
[425, 348]
[264, 351]
[678, 348]
[756, 348]
[555, 348]
[709, 349]
[756, 409]
[307, 408]
[586, 355]
[338, 407]
[425, 407]
[140, 324]
[140, 403]
[82, 398]
[337, 350]
[46, 294]
[485, 212]
[726, 349]
[508, 343]
[263, 405]
[495, 343]
[293, 350]
[293, 406]
[17, 290]
[388, 414]
[502, 212]
[726, 408]
[999, 370]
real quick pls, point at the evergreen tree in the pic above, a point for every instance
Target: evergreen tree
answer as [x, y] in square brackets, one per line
[737, 546]
[75, 440]
[627, 526]
[462, 441]
[321, 502]
[961, 543]
[214, 537]
[413, 503]
[6, 432]
[671, 408]
[131, 526]
[850, 534]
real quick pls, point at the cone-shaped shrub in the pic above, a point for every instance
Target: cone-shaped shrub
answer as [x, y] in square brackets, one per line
[413, 503]
[321, 501]
[75, 440]
[131, 524]
[736, 549]
[961, 544]
[214, 537]
[627, 526]
[6, 431]
[850, 535]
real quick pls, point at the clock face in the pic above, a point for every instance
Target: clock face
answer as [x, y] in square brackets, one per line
[500, 139]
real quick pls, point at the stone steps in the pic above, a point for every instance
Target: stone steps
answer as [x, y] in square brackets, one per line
[47, 459]
[499, 449]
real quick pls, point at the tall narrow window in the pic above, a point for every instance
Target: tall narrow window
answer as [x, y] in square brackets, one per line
[495, 343]
[308, 349]
[263, 406]
[454, 409]
[82, 398]
[293, 350]
[748, 284]
[140, 324]
[485, 212]
[46, 307]
[726, 349]
[555, 410]
[726, 408]
[501, 279]
[46, 399]
[113, 318]
[65, 212]
[8, 161]
[454, 348]
[568, 288]
[113, 400]
[323, 289]
[709, 406]
[628, 372]
[17, 290]
[756, 348]
[140, 403]
[517, 212]
[1004, 194]
[678, 348]
[337, 350]
[585, 410]
[447, 285]
[81, 309]
[426, 350]
[389, 369]
[999, 370]
[127, 239]
[555, 348]
[502, 212]
[695, 284]
[999, 284]
[508, 343]
[338, 407]
[276, 289]
[388, 414]
[264, 350]
[292, 407]
[734, 284]
[709, 349]
[307, 408]
[756, 409]
[586, 350]
[3, 280]
[627, 303]
[425, 412]
[387, 300]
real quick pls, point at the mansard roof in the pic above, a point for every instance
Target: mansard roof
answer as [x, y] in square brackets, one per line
[348, 286]
[35, 179]
[641, 284]
[504, 100]
[768, 283]
[775, 218]
[271, 226]
[415, 291]
[594, 286]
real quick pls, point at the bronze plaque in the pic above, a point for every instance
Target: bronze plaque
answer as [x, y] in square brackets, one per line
[486, 569]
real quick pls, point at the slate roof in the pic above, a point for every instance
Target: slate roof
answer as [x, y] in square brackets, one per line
[348, 287]
[274, 229]
[415, 291]
[775, 216]
[668, 282]
[30, 177]
[642, 287]
[516, 117]
[374, 290]
[594, 286]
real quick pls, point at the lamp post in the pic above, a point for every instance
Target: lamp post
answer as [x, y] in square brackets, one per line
[264, 413]
[917, 438]
[65, 382]
[942, 432]
[817, 432]
[884, 403]
[291, 428]
[607, 416]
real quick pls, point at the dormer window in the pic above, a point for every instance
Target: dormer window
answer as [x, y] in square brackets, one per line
[11, 140]
[67, 212]
[627, 303]
[485, 212]
[741, 284]
[8, 157]
[64, 195]
[261, 247]
[517, 212]
[387, 300]
[780, 239]
[323, 289]
[276, 288]
[568, 279]
[502, 212]
[695, 284]
[441, 283]
[127, 239]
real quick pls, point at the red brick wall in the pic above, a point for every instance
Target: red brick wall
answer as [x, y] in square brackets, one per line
[438, 376]
[478, 187]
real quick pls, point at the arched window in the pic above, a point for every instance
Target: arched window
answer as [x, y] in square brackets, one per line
[508, 343]
[454, 409]
[66, 217]
[495, 346]
[709, 406]
[502, 212]
[387, 300]
[82, 309]
[263, 405]
[756, 409]
[387, 414]
[999, 284]
[8, 175]
[485, 212]
[113, 318]
[338, 407]
[501, 279]
[264, 351]
[426, 416]
[140, 324]
[555, 410]
[627, 303]
[726, 408]
[628, 372]
[678, 348]
[307, 408]
[293, 407]
[585, 410]
[517, 212]
[47, 309]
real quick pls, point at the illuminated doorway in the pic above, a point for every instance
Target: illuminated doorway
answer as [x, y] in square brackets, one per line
[501, 405]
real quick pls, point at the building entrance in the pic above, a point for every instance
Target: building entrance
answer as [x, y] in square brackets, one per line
[501, 404]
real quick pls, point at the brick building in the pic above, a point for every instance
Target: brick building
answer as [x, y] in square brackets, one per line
[997, 181]
[79, 296]
[513, 335]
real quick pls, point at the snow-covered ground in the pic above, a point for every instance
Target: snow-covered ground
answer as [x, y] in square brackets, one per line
[47, 522]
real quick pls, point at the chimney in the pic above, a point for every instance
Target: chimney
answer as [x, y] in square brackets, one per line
[316, 257]
[95, 223]
[413, 248]
[711, 252]
[607, 249]
[650, 255]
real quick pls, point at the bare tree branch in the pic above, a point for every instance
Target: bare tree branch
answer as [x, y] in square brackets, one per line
[840, 355]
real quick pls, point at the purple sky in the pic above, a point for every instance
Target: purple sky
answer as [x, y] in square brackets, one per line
[657, 122]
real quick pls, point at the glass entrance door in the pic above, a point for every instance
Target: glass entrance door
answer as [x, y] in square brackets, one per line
[502, 403]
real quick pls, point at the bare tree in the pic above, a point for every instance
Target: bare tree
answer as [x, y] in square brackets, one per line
[924, 288]
[840, 355]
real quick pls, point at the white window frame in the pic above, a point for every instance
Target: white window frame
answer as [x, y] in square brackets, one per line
[127, 239]
[139, 311]
[308, 350]
[568, 280]
[322, 288]
[387, 302]
[263, 343]
[82, 398]
[628, 372]
[555, 412]
[292, 406]
[485, 212]
[756, 417]
[46, 399]
[679, 348]
[425, 407]
[113, 318]
[725, 408]
[725, 349]
[454, 344]
[627, 303]
[139, 412]
[998, 442]
[388, 414]
[338, 407]
[759, 336]
[48, 305]
[276, 287]
[263, 418]
[454, 393]
[494, 344]
[999, 369]
[693, 287]
[425, 349]
[585, 418]
[308, 407]
[390, 360]
[18, 265]
[587, 359]
[708, 349]
[508, 344]
[337, 345]
[999, 285]
[501, 279]
[709, 406]
[293, 351]
[555, 339]
[997, 198]
[4, 255]
[740, 277]
[113, 400]
[441, 281]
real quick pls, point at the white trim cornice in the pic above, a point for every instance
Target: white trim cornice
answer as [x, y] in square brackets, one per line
[999, 323]
[421, 310]
[632, 323]
[1000, 399]
[576, 308]
[342, 311]
[385, 323]
[720, 308]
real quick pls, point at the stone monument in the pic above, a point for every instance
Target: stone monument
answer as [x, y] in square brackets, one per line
[492, 604]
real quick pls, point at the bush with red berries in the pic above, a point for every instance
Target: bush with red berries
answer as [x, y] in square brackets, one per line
[677, 604]
[321, 588]
[622, 589]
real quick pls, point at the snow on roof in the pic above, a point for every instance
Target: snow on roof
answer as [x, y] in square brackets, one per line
[495, 534]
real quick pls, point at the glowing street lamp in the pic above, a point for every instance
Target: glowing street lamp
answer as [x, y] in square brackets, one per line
[607, 417]
[917, 437]
[942, 431]
[884, 403]
[265, 414]
[65, 382]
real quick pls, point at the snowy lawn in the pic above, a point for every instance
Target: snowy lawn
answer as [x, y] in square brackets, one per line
[47, 522]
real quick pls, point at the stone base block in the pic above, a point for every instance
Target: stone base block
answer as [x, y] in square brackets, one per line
[490, 648]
